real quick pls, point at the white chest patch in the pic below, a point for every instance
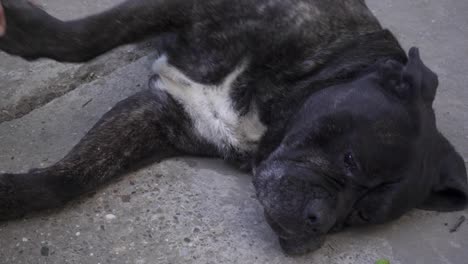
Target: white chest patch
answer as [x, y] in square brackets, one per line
[211, 108]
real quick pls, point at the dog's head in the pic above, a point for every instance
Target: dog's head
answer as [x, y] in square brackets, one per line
[364, 152]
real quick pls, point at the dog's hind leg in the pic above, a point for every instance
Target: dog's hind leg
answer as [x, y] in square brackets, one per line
[148, 124]
[32, 33]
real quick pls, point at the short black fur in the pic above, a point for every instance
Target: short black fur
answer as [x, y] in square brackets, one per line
[350, 135]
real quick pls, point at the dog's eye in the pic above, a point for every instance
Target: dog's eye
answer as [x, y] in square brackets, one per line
[349, 162]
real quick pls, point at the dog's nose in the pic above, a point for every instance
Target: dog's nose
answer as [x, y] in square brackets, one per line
[313, 222]
[319, 218]
[312, 219]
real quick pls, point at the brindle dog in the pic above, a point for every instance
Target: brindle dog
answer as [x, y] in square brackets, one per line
[313, 96]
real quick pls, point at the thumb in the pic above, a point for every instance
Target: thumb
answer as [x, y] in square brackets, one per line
[2, 21]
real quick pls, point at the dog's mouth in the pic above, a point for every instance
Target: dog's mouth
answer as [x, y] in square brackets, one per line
[297, 247]
[293, 243]
[282, 232]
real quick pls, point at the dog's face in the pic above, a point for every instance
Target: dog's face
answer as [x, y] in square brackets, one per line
[360, 153]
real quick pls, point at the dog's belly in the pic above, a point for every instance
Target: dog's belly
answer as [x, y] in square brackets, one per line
[211, 108]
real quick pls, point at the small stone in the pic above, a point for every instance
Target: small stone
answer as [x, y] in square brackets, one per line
[45, 251]
[110, 217]
[25, 239]
[125, 198]
[78, 234]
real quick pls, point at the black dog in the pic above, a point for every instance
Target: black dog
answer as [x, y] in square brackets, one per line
[313, 96]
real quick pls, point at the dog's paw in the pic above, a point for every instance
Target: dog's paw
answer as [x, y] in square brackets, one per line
[10, 206]
[21, 194]
[23, 28]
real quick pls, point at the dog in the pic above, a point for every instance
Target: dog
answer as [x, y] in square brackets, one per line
[332, 117]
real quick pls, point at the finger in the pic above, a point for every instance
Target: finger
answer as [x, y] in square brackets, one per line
[2, 21]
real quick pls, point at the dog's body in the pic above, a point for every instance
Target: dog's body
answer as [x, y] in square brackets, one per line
[265, 83]
[240, 69]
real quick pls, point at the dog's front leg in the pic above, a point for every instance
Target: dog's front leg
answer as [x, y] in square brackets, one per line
[150, 124]
[31, 33]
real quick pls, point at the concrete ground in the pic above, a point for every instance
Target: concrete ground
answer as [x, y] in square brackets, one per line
[190, 210]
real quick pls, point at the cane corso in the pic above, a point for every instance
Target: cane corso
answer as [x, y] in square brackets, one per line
[332, 117]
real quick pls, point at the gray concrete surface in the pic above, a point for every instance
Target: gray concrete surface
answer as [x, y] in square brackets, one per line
[190, 210]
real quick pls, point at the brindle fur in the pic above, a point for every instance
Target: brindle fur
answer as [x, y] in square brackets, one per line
[294, 49]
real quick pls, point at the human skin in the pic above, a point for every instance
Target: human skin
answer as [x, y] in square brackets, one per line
[2, 21]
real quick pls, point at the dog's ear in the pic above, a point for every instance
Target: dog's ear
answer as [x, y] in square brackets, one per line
[411, 81]
[419, 77]
[450, 191]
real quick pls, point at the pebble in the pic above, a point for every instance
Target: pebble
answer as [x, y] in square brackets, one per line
[45, 251]
[110, 217]
[125, 198]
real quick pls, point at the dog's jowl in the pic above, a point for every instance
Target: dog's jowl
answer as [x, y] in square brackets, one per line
[320, 102]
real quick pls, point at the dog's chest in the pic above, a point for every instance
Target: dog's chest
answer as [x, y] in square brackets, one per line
[211, 108]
